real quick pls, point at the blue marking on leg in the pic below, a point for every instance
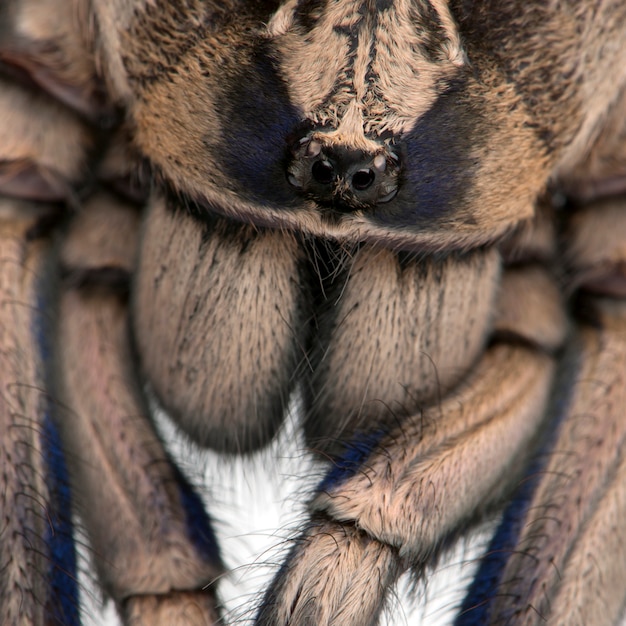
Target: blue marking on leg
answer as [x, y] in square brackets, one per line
[356, 452]
[484, 588]
[62, 601]
[199, 522]
[62, 604]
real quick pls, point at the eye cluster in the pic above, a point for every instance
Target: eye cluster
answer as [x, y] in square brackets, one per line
[346, 178]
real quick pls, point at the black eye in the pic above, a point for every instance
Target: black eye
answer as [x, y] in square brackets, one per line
[323, 172]
[363, 179]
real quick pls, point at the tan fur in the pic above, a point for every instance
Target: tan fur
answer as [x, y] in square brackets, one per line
[602, 172]
[578, 482]
[103, 235]
[392, 317]
[49, 40]
[534, 239]
[43, 153]
[233, 343]
[498, 86]
[42, 139]
[345, 566]
[591, 581]
[596, 247]
[125, 485]
[188, 609]
[24, 496]
[120, 169]
[530, 307]
[575, 571]
[353, 73]
[449, 462]
[112, 21]
[384, 349]
[331, 85]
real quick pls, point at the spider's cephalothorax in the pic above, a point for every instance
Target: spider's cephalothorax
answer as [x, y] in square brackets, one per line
[358, 120]
[345, 200]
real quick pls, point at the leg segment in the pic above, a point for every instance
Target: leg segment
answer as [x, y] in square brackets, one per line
[562, 561]
[406, 493]
[42, 153]
[43, 146]
[37, 562]
[152, 542]
[335, 574]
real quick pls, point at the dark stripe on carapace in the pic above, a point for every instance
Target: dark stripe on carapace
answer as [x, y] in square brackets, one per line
[438, 166]
[257, 120]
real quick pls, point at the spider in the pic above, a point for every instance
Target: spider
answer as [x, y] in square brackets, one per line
[406, 213]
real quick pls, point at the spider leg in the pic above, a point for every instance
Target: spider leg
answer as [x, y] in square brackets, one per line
[335, 574]
[43, 150]
[601, 172]
[562, 559]
[405, 494]
[420, 486]
[37, 560]
[148, 529]
[153, 543]
[43, 146]
[44, 43]
[410, 498]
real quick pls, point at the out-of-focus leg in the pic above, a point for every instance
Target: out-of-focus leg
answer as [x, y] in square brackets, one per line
[37, 561]
[43, 153]
[561, 560]
[152, 541]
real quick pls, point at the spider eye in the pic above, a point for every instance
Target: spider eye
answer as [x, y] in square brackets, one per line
[323, 172]
[363, 179]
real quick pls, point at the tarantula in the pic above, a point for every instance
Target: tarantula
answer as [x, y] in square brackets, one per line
[410, 213]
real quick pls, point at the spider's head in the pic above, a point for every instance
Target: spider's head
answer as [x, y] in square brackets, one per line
[352, 120]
